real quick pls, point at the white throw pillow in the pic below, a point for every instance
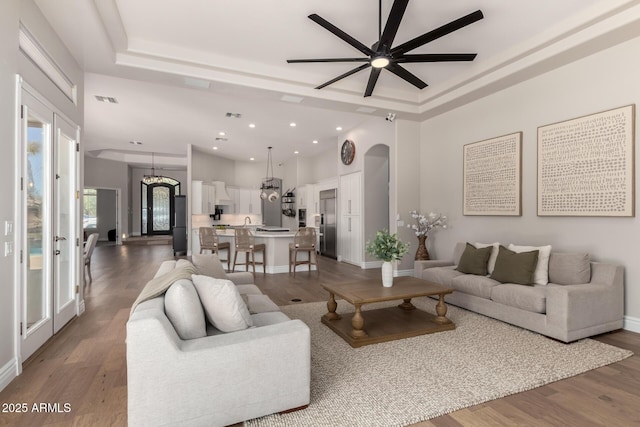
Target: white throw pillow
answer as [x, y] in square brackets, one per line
[494, 254]
[223, 305]
[541, 274]
[184, 310]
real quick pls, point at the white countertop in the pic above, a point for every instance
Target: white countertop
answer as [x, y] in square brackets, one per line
[267, 234]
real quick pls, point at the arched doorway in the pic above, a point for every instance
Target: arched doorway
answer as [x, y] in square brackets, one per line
[157, 201]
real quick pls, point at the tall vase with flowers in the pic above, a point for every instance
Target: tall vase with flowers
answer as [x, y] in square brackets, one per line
[423, 226]
[387, 247]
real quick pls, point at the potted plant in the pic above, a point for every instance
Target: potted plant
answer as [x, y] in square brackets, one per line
[387, 247]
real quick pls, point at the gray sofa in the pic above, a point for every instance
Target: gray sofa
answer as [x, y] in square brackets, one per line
[218, 379]
[583, 298]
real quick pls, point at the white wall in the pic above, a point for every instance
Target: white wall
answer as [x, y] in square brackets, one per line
[101, 173]
[605, 80]
[12, 62]
[375, 184]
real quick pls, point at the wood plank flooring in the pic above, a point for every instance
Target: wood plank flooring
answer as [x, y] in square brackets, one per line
[85, 366]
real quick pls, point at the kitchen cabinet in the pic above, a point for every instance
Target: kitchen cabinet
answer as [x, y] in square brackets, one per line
[308, 198]
[350, 237]
[203, 199]
[246, 201]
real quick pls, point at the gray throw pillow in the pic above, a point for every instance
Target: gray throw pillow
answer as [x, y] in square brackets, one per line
[209, 265]
[184, 310]
[514, 267]
[474, 261]
[569, 268]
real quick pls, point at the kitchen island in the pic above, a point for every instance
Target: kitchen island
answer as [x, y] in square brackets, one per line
[277, 250]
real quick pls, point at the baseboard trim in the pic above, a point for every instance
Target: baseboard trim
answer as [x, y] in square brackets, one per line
[371, 264]
[8, 373]
[631, 324]
[81, 307]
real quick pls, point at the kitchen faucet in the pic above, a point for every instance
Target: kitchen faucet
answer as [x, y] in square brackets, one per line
[246, 218]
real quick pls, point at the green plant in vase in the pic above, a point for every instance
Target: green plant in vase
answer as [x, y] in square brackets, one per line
[388, 248]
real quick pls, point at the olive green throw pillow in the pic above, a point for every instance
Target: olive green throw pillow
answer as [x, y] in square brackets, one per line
[514, 267]
[474, 261]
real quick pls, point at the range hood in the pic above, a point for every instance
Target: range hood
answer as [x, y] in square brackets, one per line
[222, 197]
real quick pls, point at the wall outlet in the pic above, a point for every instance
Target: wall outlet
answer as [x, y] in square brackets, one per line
[400, 223]
[8, 228]
[8, 248]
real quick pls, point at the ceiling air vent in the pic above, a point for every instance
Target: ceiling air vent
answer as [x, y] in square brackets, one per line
[108, 99]
[220, 138]
[234, 115]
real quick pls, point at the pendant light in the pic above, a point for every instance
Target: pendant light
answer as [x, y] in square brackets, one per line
[153, 178]
[269, 188]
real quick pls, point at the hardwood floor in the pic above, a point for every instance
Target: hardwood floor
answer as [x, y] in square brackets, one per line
[84, 366]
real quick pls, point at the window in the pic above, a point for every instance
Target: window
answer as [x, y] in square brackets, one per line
[89, 215]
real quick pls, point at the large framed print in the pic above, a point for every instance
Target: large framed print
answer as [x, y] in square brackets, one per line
[586, 165]
[493, 176]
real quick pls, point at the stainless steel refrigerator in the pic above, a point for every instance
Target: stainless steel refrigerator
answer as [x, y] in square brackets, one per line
[328, 223]
[272, 211]
[179, 228]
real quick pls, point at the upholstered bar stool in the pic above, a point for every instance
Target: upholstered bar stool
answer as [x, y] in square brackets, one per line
[303, 241]
[246, 242]
[209, 240]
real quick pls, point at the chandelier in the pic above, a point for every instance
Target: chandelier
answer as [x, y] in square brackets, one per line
[153, 178]
[269, 188]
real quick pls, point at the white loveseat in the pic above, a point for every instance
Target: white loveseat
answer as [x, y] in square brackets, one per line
[582, 298]
[218, 379]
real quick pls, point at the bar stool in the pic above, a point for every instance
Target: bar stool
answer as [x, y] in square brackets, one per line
[209, 240]
[246, 242]
[303, 241]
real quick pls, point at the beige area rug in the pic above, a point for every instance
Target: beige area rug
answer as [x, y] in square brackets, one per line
[406, 381]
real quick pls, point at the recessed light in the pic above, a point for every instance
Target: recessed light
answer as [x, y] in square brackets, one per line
[292, 124]
[221, 133]
[215, 148]
[135, 142]
[339, 128]
[315, 141]
[252, 158]
[252, 125]
[296, 152]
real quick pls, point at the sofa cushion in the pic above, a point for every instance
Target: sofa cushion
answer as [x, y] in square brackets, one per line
[569, 268]
[479, 286]
[495, 247]
[474, 260]
[248, 289]
[259, 304]
[440, 275]
[209, 265]
[512, 267]
[184, 310]
[529, 298]
[223, 305]
[541, 274]
[271, 318]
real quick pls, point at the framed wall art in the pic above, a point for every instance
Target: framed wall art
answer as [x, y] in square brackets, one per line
[492, 176]
[586, 165]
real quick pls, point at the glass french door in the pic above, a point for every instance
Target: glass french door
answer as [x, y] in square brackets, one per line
[157, 208]
[48, 232]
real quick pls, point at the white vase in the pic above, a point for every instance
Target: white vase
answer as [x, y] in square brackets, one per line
[387, 274]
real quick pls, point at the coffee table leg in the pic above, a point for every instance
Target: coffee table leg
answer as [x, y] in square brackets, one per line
[331, 306]
[406, 305]
[441, 309]
[358, 322]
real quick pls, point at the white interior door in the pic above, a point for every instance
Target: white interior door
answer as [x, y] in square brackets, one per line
[36, 296]
[49, 214]
[64, 218]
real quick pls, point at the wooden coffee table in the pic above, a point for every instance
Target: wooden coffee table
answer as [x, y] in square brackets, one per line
[385, 324]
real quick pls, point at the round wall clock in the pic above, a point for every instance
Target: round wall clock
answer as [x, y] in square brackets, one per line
[348, 152]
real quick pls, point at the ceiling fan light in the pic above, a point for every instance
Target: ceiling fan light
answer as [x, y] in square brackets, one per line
[380, 62]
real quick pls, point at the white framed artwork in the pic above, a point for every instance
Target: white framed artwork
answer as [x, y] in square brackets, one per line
[586, 165]
[492, 176]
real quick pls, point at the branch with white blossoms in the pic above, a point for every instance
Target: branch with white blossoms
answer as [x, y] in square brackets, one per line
[424, 224]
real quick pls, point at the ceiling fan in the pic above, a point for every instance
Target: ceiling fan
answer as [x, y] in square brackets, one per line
[382, 55]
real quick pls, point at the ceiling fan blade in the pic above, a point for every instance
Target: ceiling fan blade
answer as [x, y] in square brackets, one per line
[341, 34]
[437, 57]
[342, 76]
[300, 61]
[373, 78]
[438, 32]
[393, 23]
[406, 75]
